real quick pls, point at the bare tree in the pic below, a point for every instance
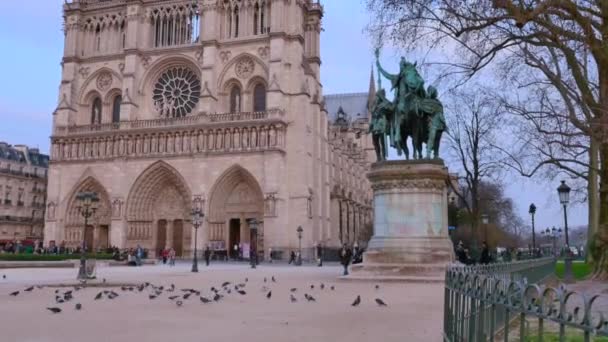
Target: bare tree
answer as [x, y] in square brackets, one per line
[562, 44]
[475, 120]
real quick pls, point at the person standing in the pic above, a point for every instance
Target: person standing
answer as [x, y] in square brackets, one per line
[292, 257]
[235, 251]
[320, 254]
[270, 255]
[485, 254]
[207, 255]
[171, 257]
[345, 256]
[139, 252]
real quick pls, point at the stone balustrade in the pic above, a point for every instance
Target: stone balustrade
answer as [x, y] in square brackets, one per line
[219, 133]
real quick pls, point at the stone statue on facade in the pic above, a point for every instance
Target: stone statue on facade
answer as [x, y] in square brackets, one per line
[414, 112]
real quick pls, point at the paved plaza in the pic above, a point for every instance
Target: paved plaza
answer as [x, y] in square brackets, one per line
[414, 311]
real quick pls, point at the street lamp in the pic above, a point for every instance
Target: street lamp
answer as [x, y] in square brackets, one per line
[485, 219]
[299, 230]
[564, 197]
[532, 211]
[87, 206]
[197, 221]
[253, 252]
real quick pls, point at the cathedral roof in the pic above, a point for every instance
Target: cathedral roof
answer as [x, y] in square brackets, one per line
[348, 107]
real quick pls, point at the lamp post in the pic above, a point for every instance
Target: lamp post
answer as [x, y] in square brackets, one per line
[299, 230]
[485, 219]
[253, 252]
[197, 221]
[564, 198]
[87, 206]
[532, 211]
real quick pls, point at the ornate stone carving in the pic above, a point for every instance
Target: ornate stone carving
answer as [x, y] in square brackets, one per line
[270, 205]
[50, 210]
[145, 61]
[225, 56]
[263, 51]
[244, 67]
[84, 72]
[432, 184]
[117, 205]
[176, 92]
[121, 67]
[104, 81]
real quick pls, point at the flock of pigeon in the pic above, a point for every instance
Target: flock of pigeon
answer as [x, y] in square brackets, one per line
[178, 297]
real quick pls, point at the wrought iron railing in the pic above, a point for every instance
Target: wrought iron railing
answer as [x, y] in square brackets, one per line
[508, 301]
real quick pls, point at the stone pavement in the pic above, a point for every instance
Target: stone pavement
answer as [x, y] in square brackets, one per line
[414, 311]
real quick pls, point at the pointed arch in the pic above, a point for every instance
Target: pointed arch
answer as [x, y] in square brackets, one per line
[235, 177]
[90, 184]
[146, 189]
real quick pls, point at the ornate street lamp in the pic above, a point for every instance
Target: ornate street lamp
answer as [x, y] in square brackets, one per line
[299, 230]
[197, 221]
[564, 198]
[253, 251]
[87, 206]
[532, 211]
[485, 220]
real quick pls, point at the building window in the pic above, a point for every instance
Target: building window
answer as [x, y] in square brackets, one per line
[176, 28]
[236, 22]
[259, 98]
[262, 15]
[176, 92]
[235, 100]
[256, 15]
[96, 111]
[116, 109]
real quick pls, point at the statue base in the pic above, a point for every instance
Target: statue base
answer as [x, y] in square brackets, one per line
[411, 241]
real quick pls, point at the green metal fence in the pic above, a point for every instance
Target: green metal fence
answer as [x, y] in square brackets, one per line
[508, 302]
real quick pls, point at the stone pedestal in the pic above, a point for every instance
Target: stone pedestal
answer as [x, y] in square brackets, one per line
[411, 241]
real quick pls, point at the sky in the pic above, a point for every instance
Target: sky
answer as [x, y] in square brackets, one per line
[32, 46]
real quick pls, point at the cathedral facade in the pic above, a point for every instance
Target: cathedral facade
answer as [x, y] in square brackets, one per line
[166, 106]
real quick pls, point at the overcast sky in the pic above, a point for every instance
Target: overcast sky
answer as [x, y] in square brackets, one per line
[32, 46]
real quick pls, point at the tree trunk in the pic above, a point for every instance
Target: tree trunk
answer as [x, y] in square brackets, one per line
[601, 236]
[593, 198]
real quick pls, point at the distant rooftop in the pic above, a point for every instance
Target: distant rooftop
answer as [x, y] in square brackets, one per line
[23, 154]
[349, 107]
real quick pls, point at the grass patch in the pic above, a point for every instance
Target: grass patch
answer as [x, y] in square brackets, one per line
[580, 270]
[553, 337]
[51, 257]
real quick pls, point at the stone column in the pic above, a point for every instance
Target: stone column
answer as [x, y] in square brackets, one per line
[410, 239]
[170, 233]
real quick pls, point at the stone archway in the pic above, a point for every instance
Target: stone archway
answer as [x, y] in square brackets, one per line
[158, 208]
[235, 197]
[98, 227]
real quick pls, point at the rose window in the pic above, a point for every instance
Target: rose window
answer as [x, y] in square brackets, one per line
[176, 92]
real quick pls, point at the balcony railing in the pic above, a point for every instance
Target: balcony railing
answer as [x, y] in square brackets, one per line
[169, 122]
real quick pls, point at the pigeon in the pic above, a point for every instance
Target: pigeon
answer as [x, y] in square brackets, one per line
[226, 284]
[377, 287]
[332, 288]
[78, 306]
[312, 287]
[292, 298]
[269, 295]
[322, 286]
[124, 288]
[14, 294]
[57, 291]
[273, 280]
[4, 276]
[357, 301]
[29, 289]
[187, 295]
[104, 280]
[99, 296]
[40, 287]
[242, 292]
[152, 296]
[380, 302]
[293, 289]
[246, 279]
[205, 300]
[217, 297]
[67, 296]
[59, 299]
[309, 297]
[173, 297]
[68, 293]
[54, 310]
[179, 303]
[242, 285]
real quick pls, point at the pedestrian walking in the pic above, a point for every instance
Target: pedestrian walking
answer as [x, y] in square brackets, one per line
[139, 253]
[165, 255]
[485, 254]
[207, 255]
[319, 255]
[270, 255]
[292, 257]
[345, 257]
[235, 251]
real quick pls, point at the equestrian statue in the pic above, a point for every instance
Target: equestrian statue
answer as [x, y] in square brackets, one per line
[415, 113]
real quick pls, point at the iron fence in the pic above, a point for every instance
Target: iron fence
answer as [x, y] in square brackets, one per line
[507, 301]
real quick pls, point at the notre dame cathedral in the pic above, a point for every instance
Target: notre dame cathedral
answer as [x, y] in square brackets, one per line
[169, 105]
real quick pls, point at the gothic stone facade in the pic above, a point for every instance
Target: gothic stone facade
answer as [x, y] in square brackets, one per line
[23, 175]
[169, 105]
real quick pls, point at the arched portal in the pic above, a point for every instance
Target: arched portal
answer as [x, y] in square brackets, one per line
[235, 198]
[158, 206]
[97, 231]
